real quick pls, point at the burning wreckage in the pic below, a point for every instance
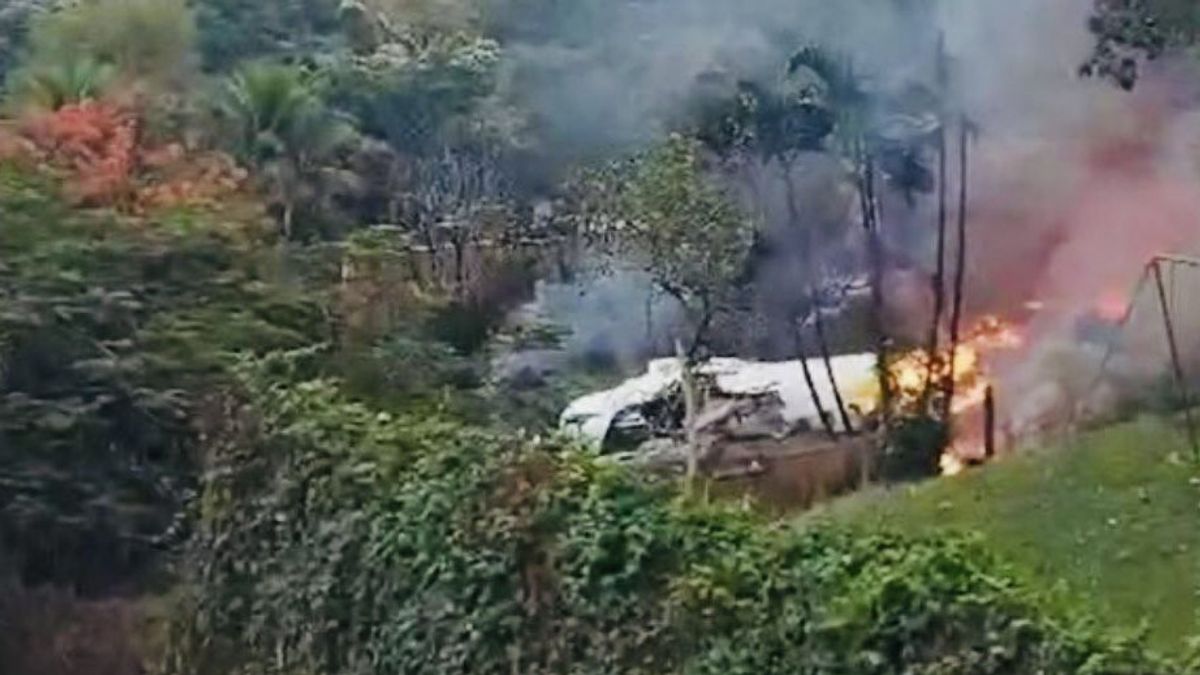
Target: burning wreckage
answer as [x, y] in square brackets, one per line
[747, 413]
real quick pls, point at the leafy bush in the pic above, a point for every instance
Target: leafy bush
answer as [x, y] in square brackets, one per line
[420, 100]
[67, 82]
[232, 31]
[102, 31]
[915, 447]
[335, 538]
[109, 336]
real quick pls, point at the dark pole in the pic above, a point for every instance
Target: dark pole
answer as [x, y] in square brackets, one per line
[1176, 361]
[989, 423]
[823, 345]
[939, 275]
[826, 420]
[960, 273]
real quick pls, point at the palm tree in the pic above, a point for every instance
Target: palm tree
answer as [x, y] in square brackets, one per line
[828, 82]
[284, 130]
[61, 83]
[939, 276]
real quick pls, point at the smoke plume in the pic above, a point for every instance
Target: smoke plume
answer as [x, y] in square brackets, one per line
[1073, 186]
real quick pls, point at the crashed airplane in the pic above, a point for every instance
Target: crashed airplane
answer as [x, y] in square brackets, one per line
[741, 402]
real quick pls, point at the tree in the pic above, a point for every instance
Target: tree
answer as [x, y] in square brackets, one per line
[415, 23]
[15, 17]
[838, 90]
[232, 31]
[416, 98]
[54, 85]
[1129, 32]
[960, 273]
[453, 197]
[282, 128]
[145, 41]
[692, 240]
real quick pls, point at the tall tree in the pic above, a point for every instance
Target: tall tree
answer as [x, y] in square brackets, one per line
[838, 90]
[960, 270]
[939, 275]
[282, 128]
[146, 41]
[1130, 32]
[691, 238]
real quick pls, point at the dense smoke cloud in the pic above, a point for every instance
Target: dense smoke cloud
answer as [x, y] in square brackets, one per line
[1074, 183]
[609, 74]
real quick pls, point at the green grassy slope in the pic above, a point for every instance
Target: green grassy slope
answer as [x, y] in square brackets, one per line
[1110, 521]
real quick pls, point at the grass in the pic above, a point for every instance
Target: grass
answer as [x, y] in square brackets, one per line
[1108, 523]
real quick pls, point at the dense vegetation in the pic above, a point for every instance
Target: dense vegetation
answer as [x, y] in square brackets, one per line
[256, 264]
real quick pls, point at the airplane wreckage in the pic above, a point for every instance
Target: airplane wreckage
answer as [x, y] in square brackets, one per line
[748, 416]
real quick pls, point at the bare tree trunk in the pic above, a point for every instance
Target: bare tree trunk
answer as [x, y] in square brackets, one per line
[960, 272]
[867, 201]
[939, 275]
[691, 411]
[288, 216]
[823, 345]
[701, 334]
[989, 423]
[1185, 392]
[460, 262]
[802, 351]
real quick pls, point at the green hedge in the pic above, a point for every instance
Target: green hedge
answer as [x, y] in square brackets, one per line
[337, 539]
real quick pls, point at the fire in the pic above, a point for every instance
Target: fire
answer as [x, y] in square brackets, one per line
[1111, 305]
[951, 464]
[912, 373]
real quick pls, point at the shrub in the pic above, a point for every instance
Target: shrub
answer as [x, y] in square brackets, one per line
[339, 539]
[97, 146]
[109, 336]
[143, 40]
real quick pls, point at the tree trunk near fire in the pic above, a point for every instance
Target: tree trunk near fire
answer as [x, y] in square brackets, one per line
[960, 272]
[875, 254]
[823, 345]
[939, 274]
[802, 351]
[989, 423]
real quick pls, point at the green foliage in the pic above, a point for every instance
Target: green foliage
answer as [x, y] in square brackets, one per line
[109, 337]
[1130, 31]
[144, 40]
[916, 444]
[54, 85]
[233, 31]
[283, 129]
[339, 539]
[685, 230]
[1105, 520]
[418, 98]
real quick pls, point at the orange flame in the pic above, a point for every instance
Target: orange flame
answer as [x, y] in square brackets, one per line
[911, 373]
[1111, 305]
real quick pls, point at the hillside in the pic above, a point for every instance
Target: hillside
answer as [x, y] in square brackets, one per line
[1107, 521]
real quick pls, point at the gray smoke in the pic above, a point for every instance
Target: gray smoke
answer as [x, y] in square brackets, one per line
[1074, 184]
[616, 82]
